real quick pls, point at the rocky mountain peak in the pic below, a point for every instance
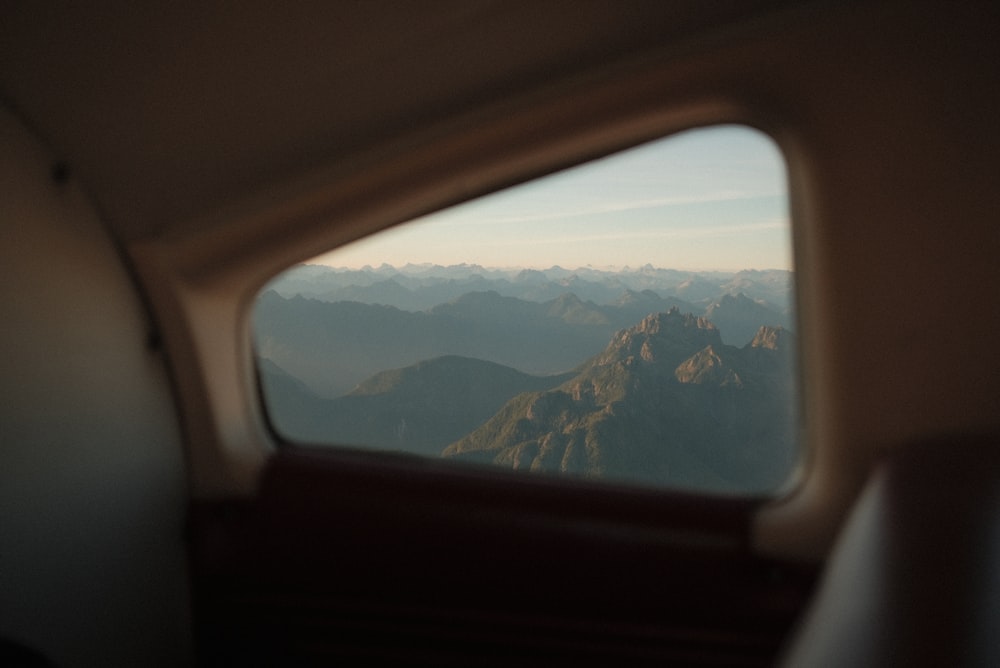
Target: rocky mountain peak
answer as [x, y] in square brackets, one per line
[672, 322]
[739, 300]
[771, 338]
[707, 367]
[662, 338]
[676, 327]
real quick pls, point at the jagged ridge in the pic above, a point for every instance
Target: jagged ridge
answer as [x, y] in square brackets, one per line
[665, 402]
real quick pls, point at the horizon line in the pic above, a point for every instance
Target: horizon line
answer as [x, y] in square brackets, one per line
[589, 267]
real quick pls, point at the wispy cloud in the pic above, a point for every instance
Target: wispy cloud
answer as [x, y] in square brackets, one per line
[685, 233]
[486, 217]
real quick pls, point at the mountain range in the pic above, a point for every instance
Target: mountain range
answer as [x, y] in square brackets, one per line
[650, 375]
[334, 346]
[666, 403]
[421, 287]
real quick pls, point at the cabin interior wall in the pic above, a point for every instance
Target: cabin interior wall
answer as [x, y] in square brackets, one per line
[92, 487]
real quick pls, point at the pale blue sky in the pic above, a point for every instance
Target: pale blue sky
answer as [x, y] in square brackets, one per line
[712, 198]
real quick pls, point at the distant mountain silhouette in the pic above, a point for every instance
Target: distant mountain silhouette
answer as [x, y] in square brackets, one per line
[417, 409]
[334, 346]
[697, 288]
[768, 287]
[738, 317]
[666, 402]
[421, 287]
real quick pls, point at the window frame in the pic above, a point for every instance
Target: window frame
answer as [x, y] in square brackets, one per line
[379, 457]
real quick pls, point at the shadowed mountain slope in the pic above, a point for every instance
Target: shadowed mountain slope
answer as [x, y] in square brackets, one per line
[417, 409]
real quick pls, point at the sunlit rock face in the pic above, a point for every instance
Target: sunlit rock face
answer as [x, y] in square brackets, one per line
[666, 403]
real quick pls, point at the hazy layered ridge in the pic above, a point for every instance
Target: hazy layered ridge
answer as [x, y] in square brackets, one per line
[420, 287]
[418, 409]
[334, 345]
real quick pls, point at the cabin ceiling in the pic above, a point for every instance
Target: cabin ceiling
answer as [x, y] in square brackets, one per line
[165, 110]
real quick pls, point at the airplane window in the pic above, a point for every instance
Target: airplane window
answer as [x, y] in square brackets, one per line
[630, 319]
